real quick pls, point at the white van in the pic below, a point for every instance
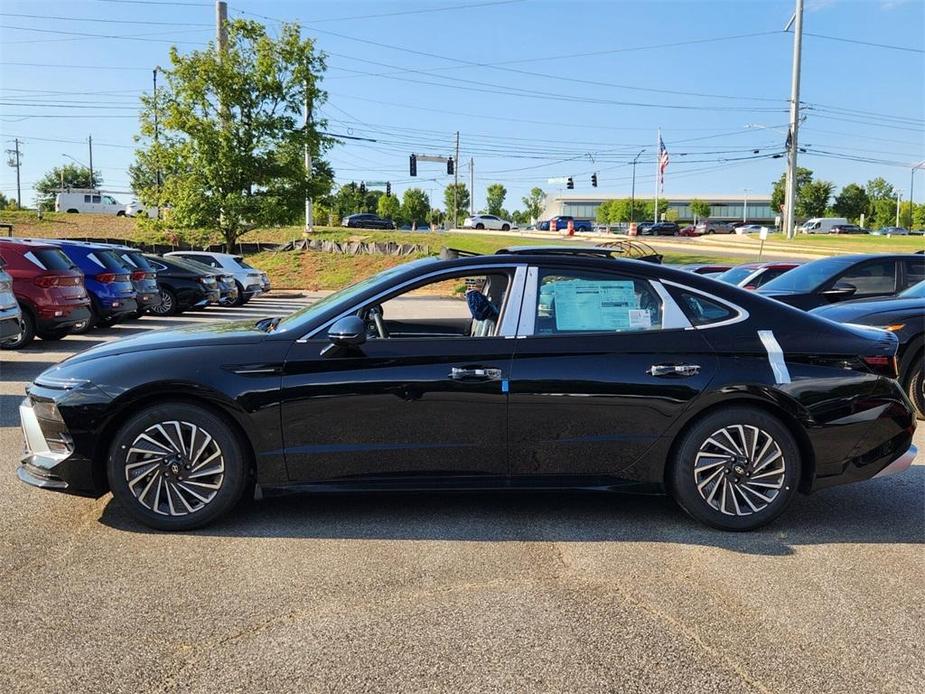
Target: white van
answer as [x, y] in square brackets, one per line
[822, 225]
[91, 201]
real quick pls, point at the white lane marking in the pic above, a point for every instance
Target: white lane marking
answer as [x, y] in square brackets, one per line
[775, 356]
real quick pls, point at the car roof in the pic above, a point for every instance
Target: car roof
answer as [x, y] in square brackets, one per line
[26, 243]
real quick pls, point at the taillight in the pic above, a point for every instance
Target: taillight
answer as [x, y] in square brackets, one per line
[106, 277]
[46, 281]
[138, 275]
[884, 366]
[150, 275]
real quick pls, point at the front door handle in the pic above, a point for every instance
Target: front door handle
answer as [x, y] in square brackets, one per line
[674, 370]
[475, 374]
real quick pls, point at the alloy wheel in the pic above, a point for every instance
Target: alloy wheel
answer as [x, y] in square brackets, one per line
[174, 468]
[739, 470]
[166, 305]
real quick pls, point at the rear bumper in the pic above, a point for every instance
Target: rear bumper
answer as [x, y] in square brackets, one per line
[901, 464]
[148, 300]
[110, 308]
[68, 317]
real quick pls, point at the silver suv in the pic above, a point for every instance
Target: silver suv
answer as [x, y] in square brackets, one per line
[250, 281]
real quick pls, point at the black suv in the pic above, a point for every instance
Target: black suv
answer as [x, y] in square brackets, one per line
[660, 229]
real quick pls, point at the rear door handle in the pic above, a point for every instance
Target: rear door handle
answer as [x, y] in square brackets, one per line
[475, 374]
[674, 370]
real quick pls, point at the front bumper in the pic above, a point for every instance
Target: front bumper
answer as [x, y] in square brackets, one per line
[58, 470]
[10, 326]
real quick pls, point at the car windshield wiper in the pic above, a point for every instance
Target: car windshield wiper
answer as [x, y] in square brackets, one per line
[268, 325]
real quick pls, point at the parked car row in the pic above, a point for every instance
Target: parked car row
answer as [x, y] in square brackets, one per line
[57, 287]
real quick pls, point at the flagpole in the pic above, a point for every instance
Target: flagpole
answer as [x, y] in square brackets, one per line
[658, 163]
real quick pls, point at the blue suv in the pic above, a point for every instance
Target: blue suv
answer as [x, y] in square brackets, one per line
[108, 280]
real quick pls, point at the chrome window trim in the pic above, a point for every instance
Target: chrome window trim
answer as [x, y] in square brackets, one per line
[741, 313]
[431, 275]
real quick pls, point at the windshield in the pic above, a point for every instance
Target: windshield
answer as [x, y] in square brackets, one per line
[348, 293]
[735, 275]
[916, 291]
[138, 260]
[807, 277]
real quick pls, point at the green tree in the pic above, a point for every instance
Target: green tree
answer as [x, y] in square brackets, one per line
[461, 198]
[520, 217]
[230, 150]
[700, 209]
[879, 189]
[851, 202]
[389, 208]
[804, 176]
[494, 198]
[533, 203]
[414, 206]
[436, 216]
[813, 198]
[65, 176]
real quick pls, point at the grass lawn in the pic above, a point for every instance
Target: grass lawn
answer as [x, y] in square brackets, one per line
[850, 243]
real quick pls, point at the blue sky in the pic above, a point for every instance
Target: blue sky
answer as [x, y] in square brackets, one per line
[515, 79]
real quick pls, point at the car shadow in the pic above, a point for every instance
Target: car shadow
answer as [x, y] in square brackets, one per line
[23, 370]
[64, 345]
[9, 410]
[889, 510]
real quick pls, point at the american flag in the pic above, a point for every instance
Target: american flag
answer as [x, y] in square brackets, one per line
[662, 161]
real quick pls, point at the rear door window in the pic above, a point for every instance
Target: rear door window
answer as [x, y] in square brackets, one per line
[50, 259]
[109, 260]
[876, 277]
[915, 271]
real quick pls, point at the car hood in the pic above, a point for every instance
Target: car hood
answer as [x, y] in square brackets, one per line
[232, 332]
[848, 311]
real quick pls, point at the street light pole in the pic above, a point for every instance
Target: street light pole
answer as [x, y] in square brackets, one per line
[899, 197]
[633, 193]
[745, 208]
[791, 189]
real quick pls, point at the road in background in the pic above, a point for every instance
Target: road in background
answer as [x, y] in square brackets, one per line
[485, 592]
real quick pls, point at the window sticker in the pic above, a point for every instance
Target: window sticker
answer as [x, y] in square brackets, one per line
[640, 319]
[597, 305]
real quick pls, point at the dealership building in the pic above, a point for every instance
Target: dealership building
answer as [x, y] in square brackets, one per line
[754, 208]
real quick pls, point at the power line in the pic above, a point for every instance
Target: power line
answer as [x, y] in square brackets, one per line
[77, 35]
[422, 11]
[155, 2]
[104, 21]
[865, 43]
[81, 67]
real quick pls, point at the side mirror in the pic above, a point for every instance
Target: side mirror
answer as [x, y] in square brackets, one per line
[349, 331]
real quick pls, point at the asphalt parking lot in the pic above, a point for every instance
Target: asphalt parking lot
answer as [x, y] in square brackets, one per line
[533, 592]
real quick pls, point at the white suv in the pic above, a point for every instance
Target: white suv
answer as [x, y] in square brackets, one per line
[488, 221]
[250, 281]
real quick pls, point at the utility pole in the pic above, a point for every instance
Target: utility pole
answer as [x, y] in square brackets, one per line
[456, 184]
[14, 159]
[221, 31]
[899, 197]
[791, 188]
[745, 208]
[157, 168]
[471, 186]
[90, 144]
[633, 193]
[307, 113]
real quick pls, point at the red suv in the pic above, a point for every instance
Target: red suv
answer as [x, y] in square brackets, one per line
[49, 289]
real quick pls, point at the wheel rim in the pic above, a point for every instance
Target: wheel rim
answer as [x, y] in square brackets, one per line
[174, 468]
[739, 470]
[166, 304]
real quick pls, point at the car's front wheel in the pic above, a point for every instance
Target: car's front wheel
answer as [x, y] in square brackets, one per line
[177, 466]
[168, 305]
[735, 469]
[27, 334]
[916, 389]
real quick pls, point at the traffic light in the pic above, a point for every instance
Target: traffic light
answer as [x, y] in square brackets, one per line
[414, 165]
[594, 180]
[388, 187]
[570, 184]
[449, 165]
[362, 188]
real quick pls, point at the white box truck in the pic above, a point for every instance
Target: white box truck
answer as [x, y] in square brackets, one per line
[821, 225]
[76, 200]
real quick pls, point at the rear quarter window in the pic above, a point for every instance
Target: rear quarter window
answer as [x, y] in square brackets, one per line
[50, 259]
[701, 310]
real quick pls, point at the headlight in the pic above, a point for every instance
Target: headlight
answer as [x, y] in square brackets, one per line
[895, 327]
[46, 409]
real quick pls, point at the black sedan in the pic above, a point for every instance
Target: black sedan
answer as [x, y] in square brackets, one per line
[660, 229]
[903, 315]
[562, 368]
[367, 221]
[839, 278]
[183, 285]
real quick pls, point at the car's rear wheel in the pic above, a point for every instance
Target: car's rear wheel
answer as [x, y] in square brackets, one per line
[916, 389]
[735, 469]
[177, 466]
[168, 305]
[27, 323]
[479, 226]
[242, 299]
[505, 227]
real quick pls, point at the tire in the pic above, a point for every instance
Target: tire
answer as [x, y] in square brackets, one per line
[915, 387]
[505, 227]
[73, 211]
[720, 474]
[710, 231]
[87, 325]
[241, 300]
[53, 335]
[27, 323]
[479, 226]
[120, 213]
[140, 480]
[168, 305]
